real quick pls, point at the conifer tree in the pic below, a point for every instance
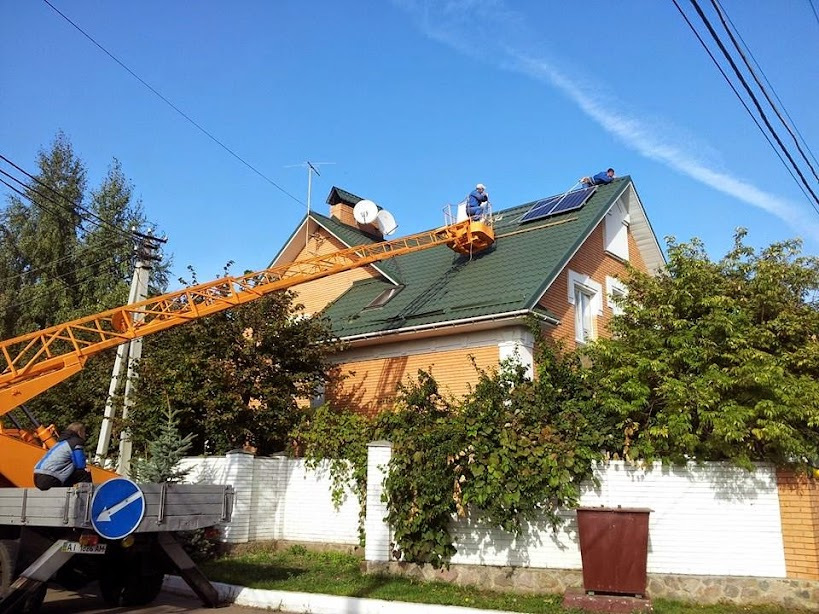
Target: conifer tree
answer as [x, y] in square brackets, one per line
[164, 453]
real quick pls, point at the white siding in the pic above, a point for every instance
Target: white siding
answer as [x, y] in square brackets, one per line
[279, 498]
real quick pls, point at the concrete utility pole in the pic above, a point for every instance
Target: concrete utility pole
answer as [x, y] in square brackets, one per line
[127, 354]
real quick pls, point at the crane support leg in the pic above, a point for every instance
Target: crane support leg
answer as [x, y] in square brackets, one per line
[190, 573]
[32, 583]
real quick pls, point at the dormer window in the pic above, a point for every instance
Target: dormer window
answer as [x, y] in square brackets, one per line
[385, 297]
[616, 230]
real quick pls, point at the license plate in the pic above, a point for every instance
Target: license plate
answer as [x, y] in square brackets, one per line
[78, 548]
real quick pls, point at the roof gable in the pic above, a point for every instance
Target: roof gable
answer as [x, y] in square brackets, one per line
[348, 235]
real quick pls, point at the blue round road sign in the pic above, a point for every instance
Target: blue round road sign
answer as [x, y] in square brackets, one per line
[117, 508]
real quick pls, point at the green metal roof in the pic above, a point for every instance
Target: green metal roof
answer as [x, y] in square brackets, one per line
[337, 195]
[441, 286]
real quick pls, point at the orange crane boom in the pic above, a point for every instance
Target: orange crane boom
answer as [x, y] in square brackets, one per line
[31, 364]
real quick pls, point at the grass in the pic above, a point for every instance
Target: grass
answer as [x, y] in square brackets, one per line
[334, 573]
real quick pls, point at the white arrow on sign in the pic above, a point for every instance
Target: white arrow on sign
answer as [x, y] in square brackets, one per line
[105, 514]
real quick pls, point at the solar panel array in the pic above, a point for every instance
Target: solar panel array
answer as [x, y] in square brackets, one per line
[561, 203]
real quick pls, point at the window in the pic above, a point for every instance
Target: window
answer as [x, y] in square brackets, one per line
[319, 399]
[385, 297]
[615, 291]
[586, 296]
[615, 230]
[583, 318]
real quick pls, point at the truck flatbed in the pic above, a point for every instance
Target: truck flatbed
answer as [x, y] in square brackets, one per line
[168, 507]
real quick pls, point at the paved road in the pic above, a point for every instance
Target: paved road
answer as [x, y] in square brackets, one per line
[88, 602]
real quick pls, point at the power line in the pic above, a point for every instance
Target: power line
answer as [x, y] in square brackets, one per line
[39, 288]
[722, 15]
[115, 244]
[174, 107]
[53, 212]
[762, 114]
[89, 217]
[44, 268]
[770, 86]
[741, 100]
[813, 8]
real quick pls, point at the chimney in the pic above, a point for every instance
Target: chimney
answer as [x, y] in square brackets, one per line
[341, 209]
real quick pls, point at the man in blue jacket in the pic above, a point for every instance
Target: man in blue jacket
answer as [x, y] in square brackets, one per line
[600, 178]
[64, 464]
[475, 202]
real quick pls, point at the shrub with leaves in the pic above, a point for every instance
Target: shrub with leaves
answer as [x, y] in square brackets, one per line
[716, 360]
[419, 488]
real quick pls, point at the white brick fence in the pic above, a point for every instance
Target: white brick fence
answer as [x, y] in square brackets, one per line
[707, 521]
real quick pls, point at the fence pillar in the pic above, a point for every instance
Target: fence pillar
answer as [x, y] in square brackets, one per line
[376, 528]
[239, 474]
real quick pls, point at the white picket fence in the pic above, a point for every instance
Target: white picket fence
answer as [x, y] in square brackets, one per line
[710, 519]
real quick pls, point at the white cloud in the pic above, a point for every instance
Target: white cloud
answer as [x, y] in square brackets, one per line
[456, 22]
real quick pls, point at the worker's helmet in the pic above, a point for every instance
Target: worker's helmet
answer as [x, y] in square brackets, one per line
[480, 186]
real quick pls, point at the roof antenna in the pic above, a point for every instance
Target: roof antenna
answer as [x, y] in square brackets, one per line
[311, 168]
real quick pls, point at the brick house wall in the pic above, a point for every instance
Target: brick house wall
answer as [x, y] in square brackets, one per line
[799, 510]
[592, 260]
[373, 373]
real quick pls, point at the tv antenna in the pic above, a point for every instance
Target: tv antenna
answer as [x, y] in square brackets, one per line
[311, 168]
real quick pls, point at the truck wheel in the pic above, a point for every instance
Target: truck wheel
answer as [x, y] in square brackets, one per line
[111, 587]
[142, 589]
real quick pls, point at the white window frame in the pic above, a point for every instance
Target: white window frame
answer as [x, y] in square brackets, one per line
[585, 322]
[615, 287]
[615, 230]
[319, 399]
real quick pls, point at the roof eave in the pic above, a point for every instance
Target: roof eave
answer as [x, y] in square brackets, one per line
[489, 321]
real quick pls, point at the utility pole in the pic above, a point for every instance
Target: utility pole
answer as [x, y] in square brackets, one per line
[127, 354]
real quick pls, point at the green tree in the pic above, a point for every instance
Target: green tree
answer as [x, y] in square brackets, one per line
[40, 239]
[235, 376]
[164, 452]
[715, 360]
[63, 255]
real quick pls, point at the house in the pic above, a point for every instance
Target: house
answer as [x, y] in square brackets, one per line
[438, 310]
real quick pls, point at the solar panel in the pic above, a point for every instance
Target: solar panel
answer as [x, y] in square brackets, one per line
[560, 203]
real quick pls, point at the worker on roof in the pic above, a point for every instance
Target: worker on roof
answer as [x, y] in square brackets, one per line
[601, 178]
[476, 202]
[64, 464]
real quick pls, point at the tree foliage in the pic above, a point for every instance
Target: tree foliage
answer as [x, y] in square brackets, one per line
[716, 360]
[709, 361]
[65, 253]
[511, 452]
[234, 376]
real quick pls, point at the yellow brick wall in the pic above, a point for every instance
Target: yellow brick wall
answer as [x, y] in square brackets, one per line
[799, 512]
[371, 385]
[315, 295]
[592, 260]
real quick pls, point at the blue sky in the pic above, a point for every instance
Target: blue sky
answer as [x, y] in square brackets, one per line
[413, 102]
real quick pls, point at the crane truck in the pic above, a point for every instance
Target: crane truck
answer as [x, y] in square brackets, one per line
[113, 531]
